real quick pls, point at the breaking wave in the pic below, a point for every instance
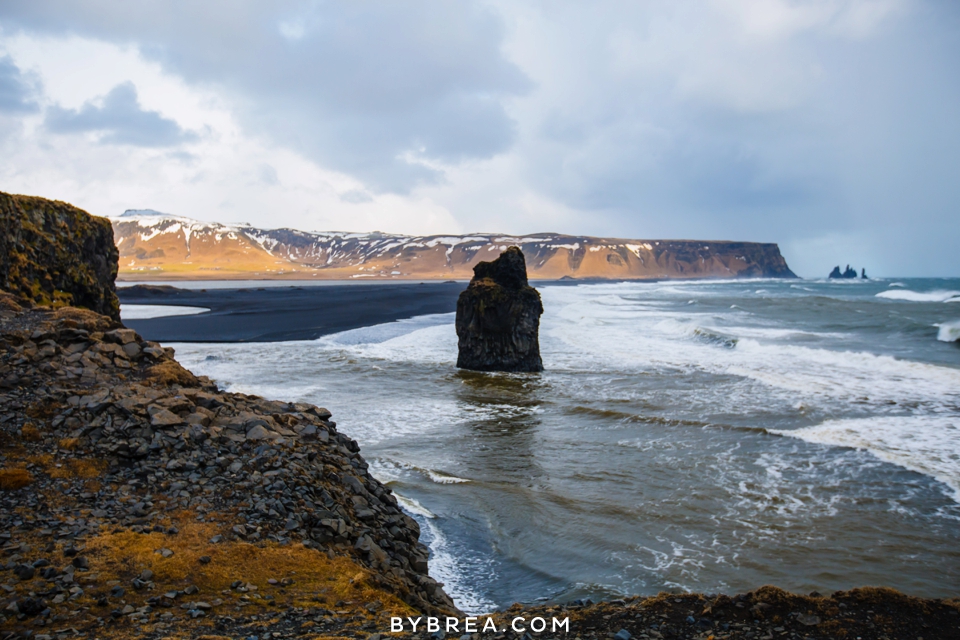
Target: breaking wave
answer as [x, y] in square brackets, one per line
[920, 296]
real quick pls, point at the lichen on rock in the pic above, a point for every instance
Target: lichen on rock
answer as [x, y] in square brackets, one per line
[52, 253]
[498, 317]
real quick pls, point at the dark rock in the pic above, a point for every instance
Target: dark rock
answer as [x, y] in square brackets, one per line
[846, 274]
[498, 317]
[31, 606]
[24, 572]
[52, 252]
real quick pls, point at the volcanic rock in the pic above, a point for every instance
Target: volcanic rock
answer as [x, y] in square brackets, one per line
[498, 317]
[846, 274]
[54, 253]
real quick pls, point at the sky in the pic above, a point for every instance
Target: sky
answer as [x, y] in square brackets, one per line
[831, 127]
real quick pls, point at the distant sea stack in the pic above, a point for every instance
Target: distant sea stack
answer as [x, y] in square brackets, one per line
[53, 253]
[156, 246]
[498, 317]
[848, 274]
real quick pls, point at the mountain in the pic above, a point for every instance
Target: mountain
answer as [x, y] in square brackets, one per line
[157, 246]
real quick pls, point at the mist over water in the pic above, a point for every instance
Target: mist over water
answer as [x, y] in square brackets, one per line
[707, 436]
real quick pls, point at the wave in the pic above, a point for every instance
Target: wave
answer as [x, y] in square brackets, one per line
[412, 506]
[443, 478]
[391, 471]
[926, 444]
[715, 338]
[949, 331]
[920, 296]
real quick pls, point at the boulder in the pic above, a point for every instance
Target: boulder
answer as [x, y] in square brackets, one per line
[498, 317]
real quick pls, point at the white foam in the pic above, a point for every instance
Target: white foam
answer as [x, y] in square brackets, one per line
[444, 478]
[411, 505]
[920, 296]
[452, 570]
[146, 311]
[581, 331]
[926, 444]
[949, 331]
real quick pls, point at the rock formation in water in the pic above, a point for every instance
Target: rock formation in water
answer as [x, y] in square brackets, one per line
[53, 253]
[863, 274]
[498, 317]
[846, 274]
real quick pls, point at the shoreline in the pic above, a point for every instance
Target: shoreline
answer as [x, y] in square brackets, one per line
[279, 314]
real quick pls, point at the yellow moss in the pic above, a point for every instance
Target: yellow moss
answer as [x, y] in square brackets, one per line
[13, 479]
[170, 372]
[30, 433]
[44, 409]
[69, 444]
[83, 468]
[316, 577]
[40, 459]
[90, 320]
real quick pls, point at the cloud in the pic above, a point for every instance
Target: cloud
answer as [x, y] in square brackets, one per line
[119, 119]
[365, 88]
[811, 123]
[17, 90]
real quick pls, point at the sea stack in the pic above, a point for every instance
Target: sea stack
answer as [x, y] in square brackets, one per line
[498, 317]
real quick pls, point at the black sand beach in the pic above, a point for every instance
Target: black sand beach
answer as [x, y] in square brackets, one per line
[274, 314]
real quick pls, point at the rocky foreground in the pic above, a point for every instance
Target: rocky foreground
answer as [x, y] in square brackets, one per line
[137, 500]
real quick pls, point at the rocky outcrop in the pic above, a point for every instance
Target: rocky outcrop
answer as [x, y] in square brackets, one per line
[160, 246]
[53, 253]
[498, 317]
[847, 274]
[134, 491]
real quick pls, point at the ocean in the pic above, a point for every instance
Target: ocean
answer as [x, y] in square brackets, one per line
[709, 436]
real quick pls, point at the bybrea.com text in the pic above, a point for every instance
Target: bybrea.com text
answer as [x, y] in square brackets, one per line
[475, 625]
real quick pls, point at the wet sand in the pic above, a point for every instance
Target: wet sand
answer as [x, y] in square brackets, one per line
[284, 313]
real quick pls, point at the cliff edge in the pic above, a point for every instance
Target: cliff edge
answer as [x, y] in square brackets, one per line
[53, 253]
[137, 498]
[158, 246]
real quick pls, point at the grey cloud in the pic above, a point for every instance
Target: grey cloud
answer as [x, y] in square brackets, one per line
[120, 120]
[869, 140]
[642, 119]
[365, 88]
[356, 196]
[17, 90]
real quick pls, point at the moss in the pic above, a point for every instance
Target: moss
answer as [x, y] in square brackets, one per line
[170, 372]
[13, 479]
[30, 433]
[52, 253]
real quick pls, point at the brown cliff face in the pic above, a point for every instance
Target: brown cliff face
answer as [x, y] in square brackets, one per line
[158, 246]
[53, 253]
[498, 317]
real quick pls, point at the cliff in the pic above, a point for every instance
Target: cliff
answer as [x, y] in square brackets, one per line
[157, 246]
[53, 253]
[134, 492]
